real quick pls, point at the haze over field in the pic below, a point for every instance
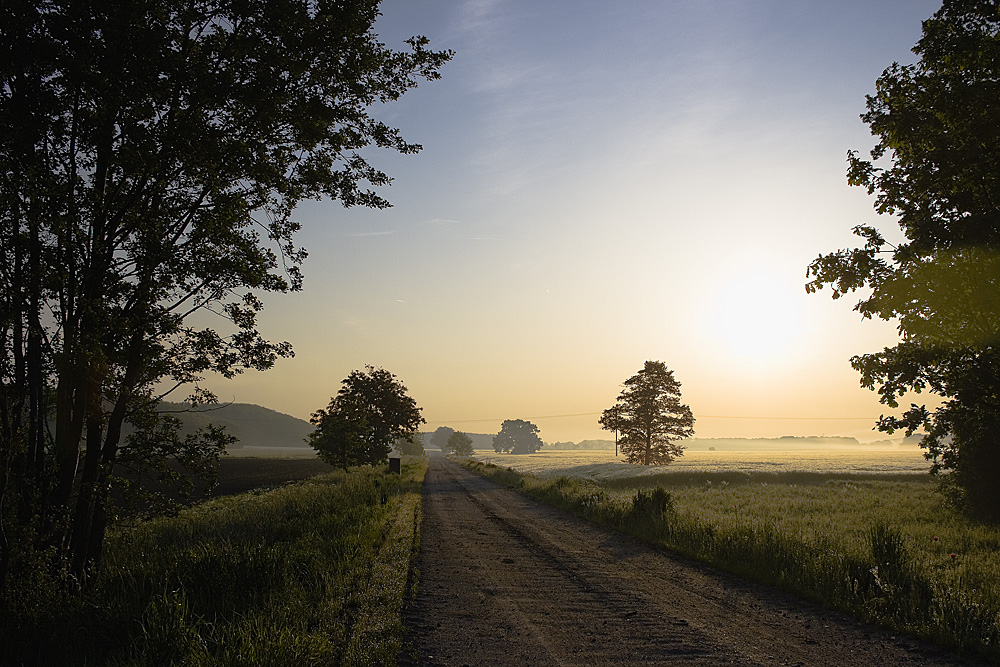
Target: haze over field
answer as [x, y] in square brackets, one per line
[603, 184]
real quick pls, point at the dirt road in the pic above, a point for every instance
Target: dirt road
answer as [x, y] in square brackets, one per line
[506, 580]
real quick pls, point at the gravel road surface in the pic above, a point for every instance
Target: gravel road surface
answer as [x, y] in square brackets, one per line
[507, 580]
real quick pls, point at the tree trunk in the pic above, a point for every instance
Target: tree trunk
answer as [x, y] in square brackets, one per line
[34, 373]
[71, 397]
[90, 521]
[109, 456]
[85, 502]
[99, 524]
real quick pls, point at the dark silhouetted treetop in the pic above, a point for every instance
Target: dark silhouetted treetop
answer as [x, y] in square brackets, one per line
[649, 416]
[152, 157]
[935, 167]
[517, 436]
[370, 413]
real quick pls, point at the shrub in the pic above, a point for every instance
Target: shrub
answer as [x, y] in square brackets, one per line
[888, 551]
[651, 505]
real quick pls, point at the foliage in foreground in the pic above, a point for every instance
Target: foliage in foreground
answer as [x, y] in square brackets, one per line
[307, 574]
[884, 551]
[152, 158]
[934, 169]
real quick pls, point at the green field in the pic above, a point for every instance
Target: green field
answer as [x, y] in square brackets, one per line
[864, 532]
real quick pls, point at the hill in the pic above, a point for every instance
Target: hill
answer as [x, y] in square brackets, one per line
[255, 426]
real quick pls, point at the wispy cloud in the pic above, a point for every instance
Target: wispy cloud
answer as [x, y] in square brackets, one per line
[366, 234]
[443, 222]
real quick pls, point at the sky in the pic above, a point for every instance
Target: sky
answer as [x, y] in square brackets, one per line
[602, 183]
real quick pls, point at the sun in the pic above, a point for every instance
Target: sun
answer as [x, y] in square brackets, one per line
[754, 318]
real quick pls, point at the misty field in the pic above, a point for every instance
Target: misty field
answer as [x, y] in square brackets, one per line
[860, 531]
[604, 466]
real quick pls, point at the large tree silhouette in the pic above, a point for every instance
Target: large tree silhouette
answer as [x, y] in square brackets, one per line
[152, 156]
[517, 436]
[370, 413]
[650, 417]
[934, 167]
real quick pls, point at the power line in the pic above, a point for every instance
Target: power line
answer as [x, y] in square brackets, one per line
[500, 419]
[814, 419]
[591, 414]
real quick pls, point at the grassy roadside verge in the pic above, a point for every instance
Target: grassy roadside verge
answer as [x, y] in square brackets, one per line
[310, 573]
[884, 551]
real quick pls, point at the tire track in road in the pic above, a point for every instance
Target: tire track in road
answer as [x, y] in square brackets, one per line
[507, 580]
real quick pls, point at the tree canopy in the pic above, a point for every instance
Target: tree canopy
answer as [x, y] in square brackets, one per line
[362, 422]
[411, 445]
[440, 437]
[611, 420]
[649, 416]
[934, 167]
[517, 436]
[460, 444]
[152, 158]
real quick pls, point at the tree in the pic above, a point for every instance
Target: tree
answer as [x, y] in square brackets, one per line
[340, 440]
[650, 417]
[440, 437]
[611, 420]
[152, 158]
[460, 444]
[412, 445]
[517, 436]
[362, 422]
[934, 167]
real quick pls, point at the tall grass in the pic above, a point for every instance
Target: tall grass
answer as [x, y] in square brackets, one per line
[887, 551]
[307, 574]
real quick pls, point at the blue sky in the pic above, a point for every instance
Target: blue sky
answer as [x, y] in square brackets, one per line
[604, 183]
